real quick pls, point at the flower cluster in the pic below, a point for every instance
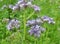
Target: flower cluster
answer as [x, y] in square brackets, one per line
[33, 22]
[48, 19]
[35, 25]
[21, 4]
[13, 24]
[36, 8]
[36, 30]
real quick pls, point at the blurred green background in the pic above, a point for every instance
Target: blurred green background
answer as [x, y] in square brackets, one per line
[50, 36]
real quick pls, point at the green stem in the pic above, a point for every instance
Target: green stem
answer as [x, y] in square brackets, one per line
[30, 15]
[24, 20]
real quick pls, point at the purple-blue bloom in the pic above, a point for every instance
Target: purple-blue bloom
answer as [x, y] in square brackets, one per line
[51, 21]
[36, 8]
[45, 18]
[48, 19]
[36, 30]
[13, 24]
[30, 22]
[35, 21]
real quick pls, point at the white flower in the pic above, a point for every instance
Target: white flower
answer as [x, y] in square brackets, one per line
[16, 7]
[29, 4]
[11, 6]
[4, 6]
[20, 2]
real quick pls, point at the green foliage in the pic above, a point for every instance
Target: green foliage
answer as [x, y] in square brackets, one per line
[50, 36]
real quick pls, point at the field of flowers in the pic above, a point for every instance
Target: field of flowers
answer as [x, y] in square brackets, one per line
[29, 21]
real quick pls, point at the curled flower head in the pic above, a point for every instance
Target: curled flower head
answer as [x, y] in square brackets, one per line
[35, 21]
[16, 6]
[45, 18]
[36, 30]
[36, 8]
[24, 3]
[30, 22]
[48, 19]
[51, 21]
[13, 24]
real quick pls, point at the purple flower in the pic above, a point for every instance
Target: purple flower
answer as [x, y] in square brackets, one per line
[22, 3]
[13, 24]
[51, 21]
[36, 8]
[36, 30]
[35, 21]
[30, 22]
[48, 19]
[45, 18]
